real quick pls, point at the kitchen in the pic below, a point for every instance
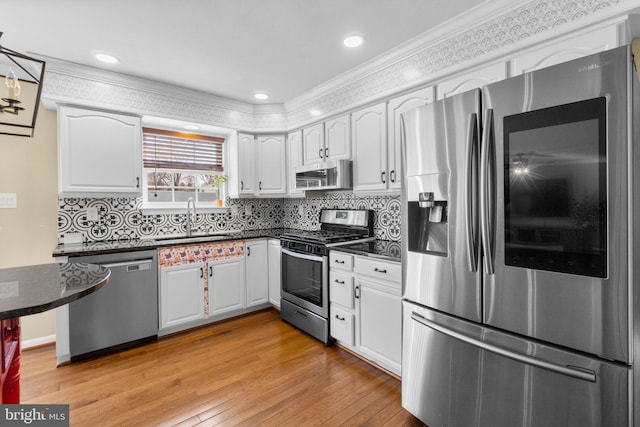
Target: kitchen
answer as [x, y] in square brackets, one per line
[585, 28]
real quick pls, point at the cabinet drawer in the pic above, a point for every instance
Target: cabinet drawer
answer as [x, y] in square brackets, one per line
[389, 272]
[340, 261]
[341, 289]
[341, 326]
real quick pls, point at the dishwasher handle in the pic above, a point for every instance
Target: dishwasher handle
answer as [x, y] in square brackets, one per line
[132, 266]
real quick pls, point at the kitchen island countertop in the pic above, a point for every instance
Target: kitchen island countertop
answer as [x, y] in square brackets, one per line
[36, 288]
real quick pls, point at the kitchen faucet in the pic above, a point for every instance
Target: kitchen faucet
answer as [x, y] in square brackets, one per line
[190, 202]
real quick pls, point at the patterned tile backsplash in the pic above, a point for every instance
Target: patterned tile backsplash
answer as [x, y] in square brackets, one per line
[120, 219]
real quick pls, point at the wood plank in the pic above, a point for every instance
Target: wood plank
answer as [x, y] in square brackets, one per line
[248, 371]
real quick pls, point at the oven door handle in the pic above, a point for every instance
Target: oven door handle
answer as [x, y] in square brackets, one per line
[303, 256]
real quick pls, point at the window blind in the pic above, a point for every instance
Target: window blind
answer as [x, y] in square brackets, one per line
[163, 149]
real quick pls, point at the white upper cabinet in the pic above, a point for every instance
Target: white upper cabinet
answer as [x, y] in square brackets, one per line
[272, 167]
[337, 139]
[396, 107]
[564, 50]
[294, 159]
[246, 163]
[472, 79]
[262, 164]
[313, 143]
[369, 137]
[330, 140]
[99, 153]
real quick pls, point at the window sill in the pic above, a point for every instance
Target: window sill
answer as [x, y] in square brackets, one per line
[158, 209]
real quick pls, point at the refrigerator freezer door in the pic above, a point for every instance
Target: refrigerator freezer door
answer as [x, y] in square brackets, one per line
[440, 216]
[455, 373]
[559, 222]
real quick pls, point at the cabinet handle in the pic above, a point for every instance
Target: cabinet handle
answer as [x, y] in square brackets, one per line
[356, 292]
[380, 270]
[137, 182]
[210, 271]
[248, 250]
[382, 177]
[241, 185]
[320, 153]
[326, 152]
[260, 185]
[338, 261]
[201, 272]
[339, 318]
[392, 176]
[339, 282]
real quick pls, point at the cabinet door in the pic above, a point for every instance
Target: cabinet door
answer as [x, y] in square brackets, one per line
[337, 139]
[272, 176]
[397, 106]
[181, 294]
[99, 153]
[247, 163]
[313, 144]
[257, 273]
[274, 272]
[476, 78]
[380, 324]
[559, 51]
[369, 137]
[294, 159]
[226, 286]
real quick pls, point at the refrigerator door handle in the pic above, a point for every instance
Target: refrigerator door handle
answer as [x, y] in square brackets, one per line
[471, 211]
[486, 196]
[574, 372]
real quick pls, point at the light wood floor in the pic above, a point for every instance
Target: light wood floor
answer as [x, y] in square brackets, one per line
[251, 371]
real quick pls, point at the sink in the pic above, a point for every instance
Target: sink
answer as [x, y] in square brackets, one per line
[183, 238]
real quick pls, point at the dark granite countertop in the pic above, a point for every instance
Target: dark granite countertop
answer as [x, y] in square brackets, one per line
[37, 288]
[96, 248]
[382, 249]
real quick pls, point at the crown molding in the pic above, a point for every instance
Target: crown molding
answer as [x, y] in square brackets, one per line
[446, 30]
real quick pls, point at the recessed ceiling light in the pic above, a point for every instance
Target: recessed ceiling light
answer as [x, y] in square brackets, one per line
[353, 40]
[191, 127]
[106, 58]
[261, 95]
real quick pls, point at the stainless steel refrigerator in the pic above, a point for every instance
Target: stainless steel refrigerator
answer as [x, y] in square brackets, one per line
[519, 242]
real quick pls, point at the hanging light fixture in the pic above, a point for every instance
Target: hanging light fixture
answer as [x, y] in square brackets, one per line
[20, 99]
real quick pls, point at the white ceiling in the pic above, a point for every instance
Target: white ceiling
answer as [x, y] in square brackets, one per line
[229, 48]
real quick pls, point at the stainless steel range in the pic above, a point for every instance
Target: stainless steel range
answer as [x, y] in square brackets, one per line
[305, 267]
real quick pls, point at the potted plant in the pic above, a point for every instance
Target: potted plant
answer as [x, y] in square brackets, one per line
[217, 180]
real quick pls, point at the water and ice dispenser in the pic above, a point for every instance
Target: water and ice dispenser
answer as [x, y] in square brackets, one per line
[428, 225]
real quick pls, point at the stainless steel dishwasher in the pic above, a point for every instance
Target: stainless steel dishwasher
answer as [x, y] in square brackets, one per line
[123, 313]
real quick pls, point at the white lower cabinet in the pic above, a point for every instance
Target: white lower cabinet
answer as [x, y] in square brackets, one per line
[257, 267]
[274, 272]
[380, 324]
[366, 310]
[226, 286]
[181, 294]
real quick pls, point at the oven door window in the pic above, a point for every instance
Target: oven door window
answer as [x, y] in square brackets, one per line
[555, 189]
[302, 277]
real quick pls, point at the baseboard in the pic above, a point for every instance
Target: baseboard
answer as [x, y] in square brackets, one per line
[38, 342]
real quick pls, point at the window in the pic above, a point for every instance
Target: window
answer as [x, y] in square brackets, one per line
[181, 165]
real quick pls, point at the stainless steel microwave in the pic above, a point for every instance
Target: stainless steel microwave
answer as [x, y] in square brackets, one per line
[329, 175]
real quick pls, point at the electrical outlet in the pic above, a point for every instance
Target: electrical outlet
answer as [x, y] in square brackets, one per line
[300, 210]
[234, 210]
[92, 213]
[8, 200]
[247, 210]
